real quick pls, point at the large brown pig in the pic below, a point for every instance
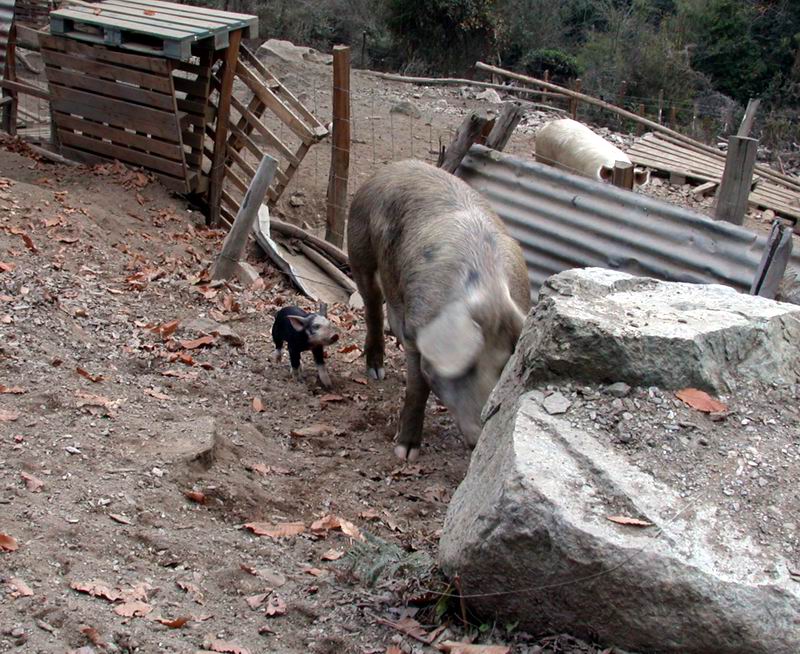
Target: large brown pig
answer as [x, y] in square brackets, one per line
[455, 285]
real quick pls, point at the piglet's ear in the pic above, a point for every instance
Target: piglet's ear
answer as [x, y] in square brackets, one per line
[298, 322]
[452, 342]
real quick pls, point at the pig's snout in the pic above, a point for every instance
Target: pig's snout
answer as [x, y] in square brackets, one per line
[334, 338]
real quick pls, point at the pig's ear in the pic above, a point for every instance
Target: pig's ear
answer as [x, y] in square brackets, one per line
[298, 322]
[452, 342]
[606, 173]
[641, 176]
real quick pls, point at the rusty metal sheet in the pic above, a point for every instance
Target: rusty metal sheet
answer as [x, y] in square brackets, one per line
[563, 221]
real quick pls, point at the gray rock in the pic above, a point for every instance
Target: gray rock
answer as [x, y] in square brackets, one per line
[203, 326]
[538, 535]
[531, 516]
[490, 95]
[288, 51]
[651, 333]
[619, 389]
[556, 403]
[406, 108]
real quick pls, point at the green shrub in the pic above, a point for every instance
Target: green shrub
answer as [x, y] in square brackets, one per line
[561, 65]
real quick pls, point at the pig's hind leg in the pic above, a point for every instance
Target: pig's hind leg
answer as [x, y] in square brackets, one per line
[367, 282]
[412, 416]
[294, 359]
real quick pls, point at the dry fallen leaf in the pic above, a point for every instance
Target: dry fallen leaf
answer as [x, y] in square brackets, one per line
[198, 342]
[393, 649]
[254, 601]
[315, 572]
[92, 378]
[408, 626]
[19, 588]
[25, 238]
[331, 397]
[177, 623]
[330, 522]
[224, 646]
[119, 518]
[276, 606]
[7, 267]
[11, 390]
[282, 530]
[8, 416]
[8, 543]
[317, 429]
[258, 405]
[167, 329]
[274, 579]
[332, 555]
[452, 647]
[134, 608]
[88, 399]
[700, 400]
[632, 522]
[156, 394]
[196, 496]
[93, 635]
[97, 588]
[33, 484]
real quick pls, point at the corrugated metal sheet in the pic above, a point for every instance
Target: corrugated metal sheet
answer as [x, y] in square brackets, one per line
[6, 18]
[563, 221]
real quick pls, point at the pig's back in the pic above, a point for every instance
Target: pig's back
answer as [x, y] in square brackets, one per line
[571, 146]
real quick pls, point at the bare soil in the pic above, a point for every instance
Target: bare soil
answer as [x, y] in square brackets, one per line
[134, 451]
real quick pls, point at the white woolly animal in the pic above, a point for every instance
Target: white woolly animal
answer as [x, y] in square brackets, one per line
[571, 146]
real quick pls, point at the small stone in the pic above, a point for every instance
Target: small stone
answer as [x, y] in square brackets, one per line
[556, 404]
[296, 200]
[618, 389]
[490, 95]
[405, 108]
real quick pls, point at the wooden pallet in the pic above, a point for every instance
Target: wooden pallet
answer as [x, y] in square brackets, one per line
[111, 105]
[267, 93]
[660, 152]
[151, 26]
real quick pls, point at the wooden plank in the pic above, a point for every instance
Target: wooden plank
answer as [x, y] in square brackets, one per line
[262, 129]
[274, 103]
[106, 71]
[126, 92]
[192, 87]
[734, 189]
[252, 147]
[192, 10]
[116, 112]
[313, 122]
[193, 139]
[232, 177]
[27, 37]
[124, 154]
[144, 25]
[100, 53]
[163, 16]
[27, 89]
[247, 169]
[291, 169]
[117, 135]
[229, 68]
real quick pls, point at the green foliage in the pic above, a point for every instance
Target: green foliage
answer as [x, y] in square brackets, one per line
[449, 34]
[375, 559]
[561, 65]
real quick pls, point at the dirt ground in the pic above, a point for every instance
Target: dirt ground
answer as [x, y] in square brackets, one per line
[135, 451]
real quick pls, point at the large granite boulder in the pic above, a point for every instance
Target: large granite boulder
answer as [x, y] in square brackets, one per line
[529, 530]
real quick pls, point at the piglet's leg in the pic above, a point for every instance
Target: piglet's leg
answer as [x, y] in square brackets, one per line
[322, 371]
[294, 358]
[412, 416]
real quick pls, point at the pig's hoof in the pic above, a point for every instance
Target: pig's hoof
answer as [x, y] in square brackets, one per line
[405, 453]
[376, 373]
[276, 356]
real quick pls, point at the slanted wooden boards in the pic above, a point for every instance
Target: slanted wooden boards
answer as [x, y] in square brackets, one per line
[115, 105]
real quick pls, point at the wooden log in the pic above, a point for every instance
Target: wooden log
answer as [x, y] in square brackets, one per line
[588, 99]
[705, 189]
[623, 175]
[749, 116]
[336, 216]
[233, 248]
[458, 81]
[328, 268]
[734, 189]
[331, 251]
[466, 134]
[217, 173]
[504, 126]
[774, 260]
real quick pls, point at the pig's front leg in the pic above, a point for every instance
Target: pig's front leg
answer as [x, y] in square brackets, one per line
[409, 431]
[322, 371]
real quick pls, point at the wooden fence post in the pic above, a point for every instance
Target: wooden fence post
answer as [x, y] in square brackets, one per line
[466, 134]
[623, 175]
[640, 127]
[573, 103]
[749, 116]
[546, 78]
[217, 172]
[229, 262]
[340, 148]
[623, 90]
[734, 189]
[660, 106]
[9, 106]
[504, 126]
[673, 116]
